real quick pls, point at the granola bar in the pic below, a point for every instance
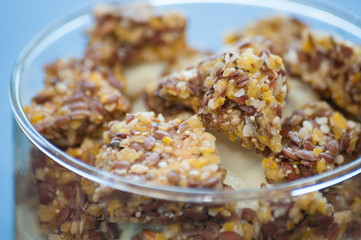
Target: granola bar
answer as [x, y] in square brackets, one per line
[308, 216]
[345, 198]
[283, 31]
[176, 153]
[316, 139]
[184, 89]
[122, 207]
[243, 226]
[77, 101]
[188, 59]
[239, 93]
[258, 43]
[64, 210]
[180, 91]
[332, 213]
[331, 66]
[136, 33]
[71, 207]
[245, 97]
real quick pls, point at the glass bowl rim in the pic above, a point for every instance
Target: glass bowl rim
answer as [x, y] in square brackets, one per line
[293, 188]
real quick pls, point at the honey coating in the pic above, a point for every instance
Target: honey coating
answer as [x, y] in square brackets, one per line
[85, 109]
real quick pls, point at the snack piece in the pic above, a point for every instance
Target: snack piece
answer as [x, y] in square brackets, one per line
[184, 89]
[179, 91]
[283, 31]
[188, 59]
[176, 153]
[78, 100]
[242, 226]
[309, 216]
[316, 139]
[258, 43]
[64, 211]
[345, 198]
[331, 66]
[136, 33]
[332, 213]
[244, 98]
[123, 207]
[70, 206]
[239, 93]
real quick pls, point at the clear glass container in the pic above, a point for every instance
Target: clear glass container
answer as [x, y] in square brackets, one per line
[60, 197]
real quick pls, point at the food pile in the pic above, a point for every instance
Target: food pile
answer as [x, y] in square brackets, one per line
[89, 109]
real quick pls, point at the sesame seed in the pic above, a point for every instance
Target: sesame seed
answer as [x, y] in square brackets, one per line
[325, 129]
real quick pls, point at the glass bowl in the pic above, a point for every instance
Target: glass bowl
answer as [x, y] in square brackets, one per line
[208, 21]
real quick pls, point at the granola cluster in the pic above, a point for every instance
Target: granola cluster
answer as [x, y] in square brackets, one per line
[244, 98]
[177, 153]
[241, 94]
[332, 213]
[78, 100]
[123, 207]
[241, 227]
[70, 206]
[309, 215]
[137, 33]
[64, 209]
[283, 31]
[85, 110]
[331, 66]
[315, 139]
[328, 63]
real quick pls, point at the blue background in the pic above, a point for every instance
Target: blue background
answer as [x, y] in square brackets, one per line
[20, 20]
